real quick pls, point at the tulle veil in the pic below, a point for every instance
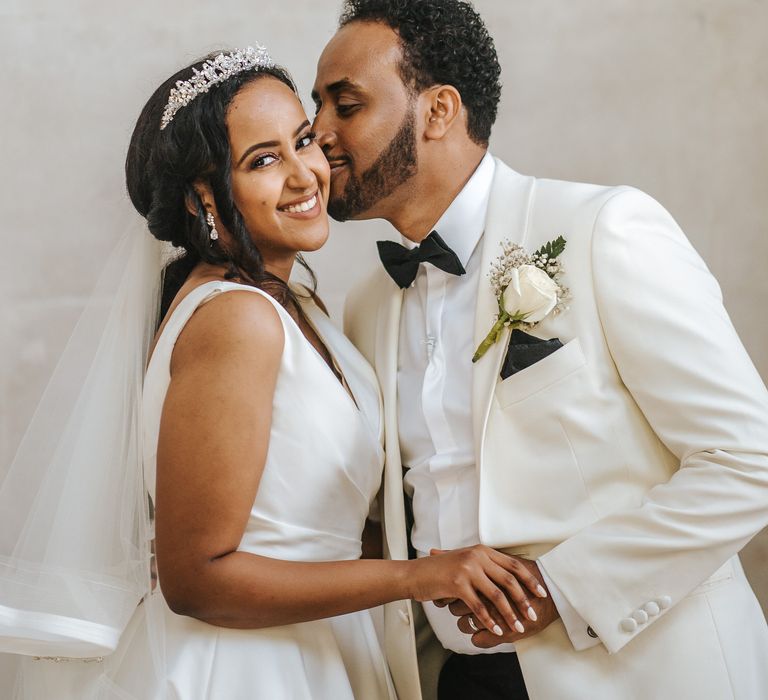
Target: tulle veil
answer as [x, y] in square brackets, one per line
[75, 516]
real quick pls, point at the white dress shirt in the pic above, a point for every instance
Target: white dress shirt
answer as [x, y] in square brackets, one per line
[434, 389]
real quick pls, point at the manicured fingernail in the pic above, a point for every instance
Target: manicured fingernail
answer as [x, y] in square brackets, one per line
[541, 591]
[519, 626]
[497, 630]
[532, 615]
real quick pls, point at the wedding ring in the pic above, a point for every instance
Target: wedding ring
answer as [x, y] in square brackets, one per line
[472, 625]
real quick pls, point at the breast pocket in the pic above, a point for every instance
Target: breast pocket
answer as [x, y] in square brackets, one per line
[541, 375]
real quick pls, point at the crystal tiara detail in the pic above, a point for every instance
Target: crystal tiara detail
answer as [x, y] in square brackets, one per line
[212, 72]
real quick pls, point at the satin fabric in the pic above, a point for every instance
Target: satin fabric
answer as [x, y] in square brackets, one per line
[321, 475]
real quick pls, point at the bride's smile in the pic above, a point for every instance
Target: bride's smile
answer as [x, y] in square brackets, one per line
[305, 208]
[280, 177]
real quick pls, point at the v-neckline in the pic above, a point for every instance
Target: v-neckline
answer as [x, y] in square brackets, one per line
[341, 379]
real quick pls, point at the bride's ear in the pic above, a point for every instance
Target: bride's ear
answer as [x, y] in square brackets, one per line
[444, 108]
[202, 195]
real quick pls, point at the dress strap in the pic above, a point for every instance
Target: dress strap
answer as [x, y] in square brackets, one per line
[195, 299]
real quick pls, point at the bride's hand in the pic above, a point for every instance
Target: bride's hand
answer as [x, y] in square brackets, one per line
[474, 573]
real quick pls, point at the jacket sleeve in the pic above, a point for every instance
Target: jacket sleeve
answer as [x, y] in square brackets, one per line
[680, 358]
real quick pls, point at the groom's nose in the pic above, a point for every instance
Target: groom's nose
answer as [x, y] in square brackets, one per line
[326, 137]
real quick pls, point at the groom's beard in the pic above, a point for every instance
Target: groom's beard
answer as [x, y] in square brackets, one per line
[396, 164]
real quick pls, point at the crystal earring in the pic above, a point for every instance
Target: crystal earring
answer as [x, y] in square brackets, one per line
[214, 234]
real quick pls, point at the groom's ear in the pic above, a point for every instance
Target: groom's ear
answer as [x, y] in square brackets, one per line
[444, 109]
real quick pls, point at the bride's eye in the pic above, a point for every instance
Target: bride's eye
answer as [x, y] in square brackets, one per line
[306, 140]
[263, 161]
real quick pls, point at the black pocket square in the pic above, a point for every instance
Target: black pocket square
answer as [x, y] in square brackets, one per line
[525, 350]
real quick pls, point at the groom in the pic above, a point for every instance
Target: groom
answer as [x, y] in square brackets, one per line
[619, 447]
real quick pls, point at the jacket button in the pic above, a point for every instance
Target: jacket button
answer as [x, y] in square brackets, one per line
[628, 624]
[664, 602]
[652, 608]
[404, 616]
[592, 633]
[641, 616]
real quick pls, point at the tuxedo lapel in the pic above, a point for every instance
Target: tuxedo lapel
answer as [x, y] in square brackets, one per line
[507, 219]
[387, 342]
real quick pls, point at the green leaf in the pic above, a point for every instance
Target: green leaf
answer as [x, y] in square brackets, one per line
[553, 248]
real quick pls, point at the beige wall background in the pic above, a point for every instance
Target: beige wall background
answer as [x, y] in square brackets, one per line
[671, 97]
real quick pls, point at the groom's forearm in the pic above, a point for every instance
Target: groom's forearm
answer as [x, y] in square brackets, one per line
[681, 361]
[580, 633]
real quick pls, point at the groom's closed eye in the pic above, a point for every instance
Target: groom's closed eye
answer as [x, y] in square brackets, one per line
[345, 110]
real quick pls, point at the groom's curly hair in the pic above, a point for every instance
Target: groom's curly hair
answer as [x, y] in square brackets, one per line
[445, 42]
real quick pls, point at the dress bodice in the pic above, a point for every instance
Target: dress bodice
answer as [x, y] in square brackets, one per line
[324, 461]
[322, 470]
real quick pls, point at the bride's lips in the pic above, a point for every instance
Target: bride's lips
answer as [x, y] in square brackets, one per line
[304, 208]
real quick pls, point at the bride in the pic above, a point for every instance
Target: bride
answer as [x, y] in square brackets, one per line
[258, 429]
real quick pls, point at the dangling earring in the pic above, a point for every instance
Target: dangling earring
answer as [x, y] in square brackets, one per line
[214, 234]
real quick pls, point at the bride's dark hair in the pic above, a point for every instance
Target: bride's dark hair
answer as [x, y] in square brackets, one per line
[162, 165]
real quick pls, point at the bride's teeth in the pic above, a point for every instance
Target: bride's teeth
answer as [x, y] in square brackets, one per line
[304, 206]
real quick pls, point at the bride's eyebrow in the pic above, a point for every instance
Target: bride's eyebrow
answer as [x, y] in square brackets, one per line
[270, 144]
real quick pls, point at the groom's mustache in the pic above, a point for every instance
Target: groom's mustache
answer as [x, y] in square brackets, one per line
[336, 160]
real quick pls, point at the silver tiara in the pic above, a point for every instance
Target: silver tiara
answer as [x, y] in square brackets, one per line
[213, 72]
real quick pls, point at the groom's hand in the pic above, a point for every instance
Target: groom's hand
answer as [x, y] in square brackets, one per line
[544, 609]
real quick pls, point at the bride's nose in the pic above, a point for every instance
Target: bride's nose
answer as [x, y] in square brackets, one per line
[300, 176]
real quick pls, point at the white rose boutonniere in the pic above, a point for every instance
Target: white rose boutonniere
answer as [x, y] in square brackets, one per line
[531, 292]
[527, 288]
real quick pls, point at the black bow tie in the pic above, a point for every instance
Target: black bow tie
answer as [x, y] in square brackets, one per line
[402, 264]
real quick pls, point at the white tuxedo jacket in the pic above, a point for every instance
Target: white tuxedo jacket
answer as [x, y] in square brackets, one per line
[632, 462]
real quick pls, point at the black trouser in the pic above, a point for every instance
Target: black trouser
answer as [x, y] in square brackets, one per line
[481, 677]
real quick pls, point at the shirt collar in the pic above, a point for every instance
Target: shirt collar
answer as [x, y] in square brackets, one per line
[463, 222]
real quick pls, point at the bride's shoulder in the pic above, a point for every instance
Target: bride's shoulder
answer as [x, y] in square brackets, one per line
[235, 323]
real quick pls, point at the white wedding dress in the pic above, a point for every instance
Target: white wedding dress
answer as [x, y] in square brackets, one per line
[322, 472]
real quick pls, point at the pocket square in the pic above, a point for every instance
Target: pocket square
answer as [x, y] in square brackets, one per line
[525, 350]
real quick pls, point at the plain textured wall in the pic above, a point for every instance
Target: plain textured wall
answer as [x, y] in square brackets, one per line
[671, 97]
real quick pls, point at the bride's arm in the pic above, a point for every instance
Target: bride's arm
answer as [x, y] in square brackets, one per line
[213, 442]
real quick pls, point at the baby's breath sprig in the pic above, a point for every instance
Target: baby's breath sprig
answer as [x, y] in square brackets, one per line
[512, 256]
[525, 295]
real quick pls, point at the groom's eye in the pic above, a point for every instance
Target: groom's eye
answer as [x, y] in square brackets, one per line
[344, 110]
